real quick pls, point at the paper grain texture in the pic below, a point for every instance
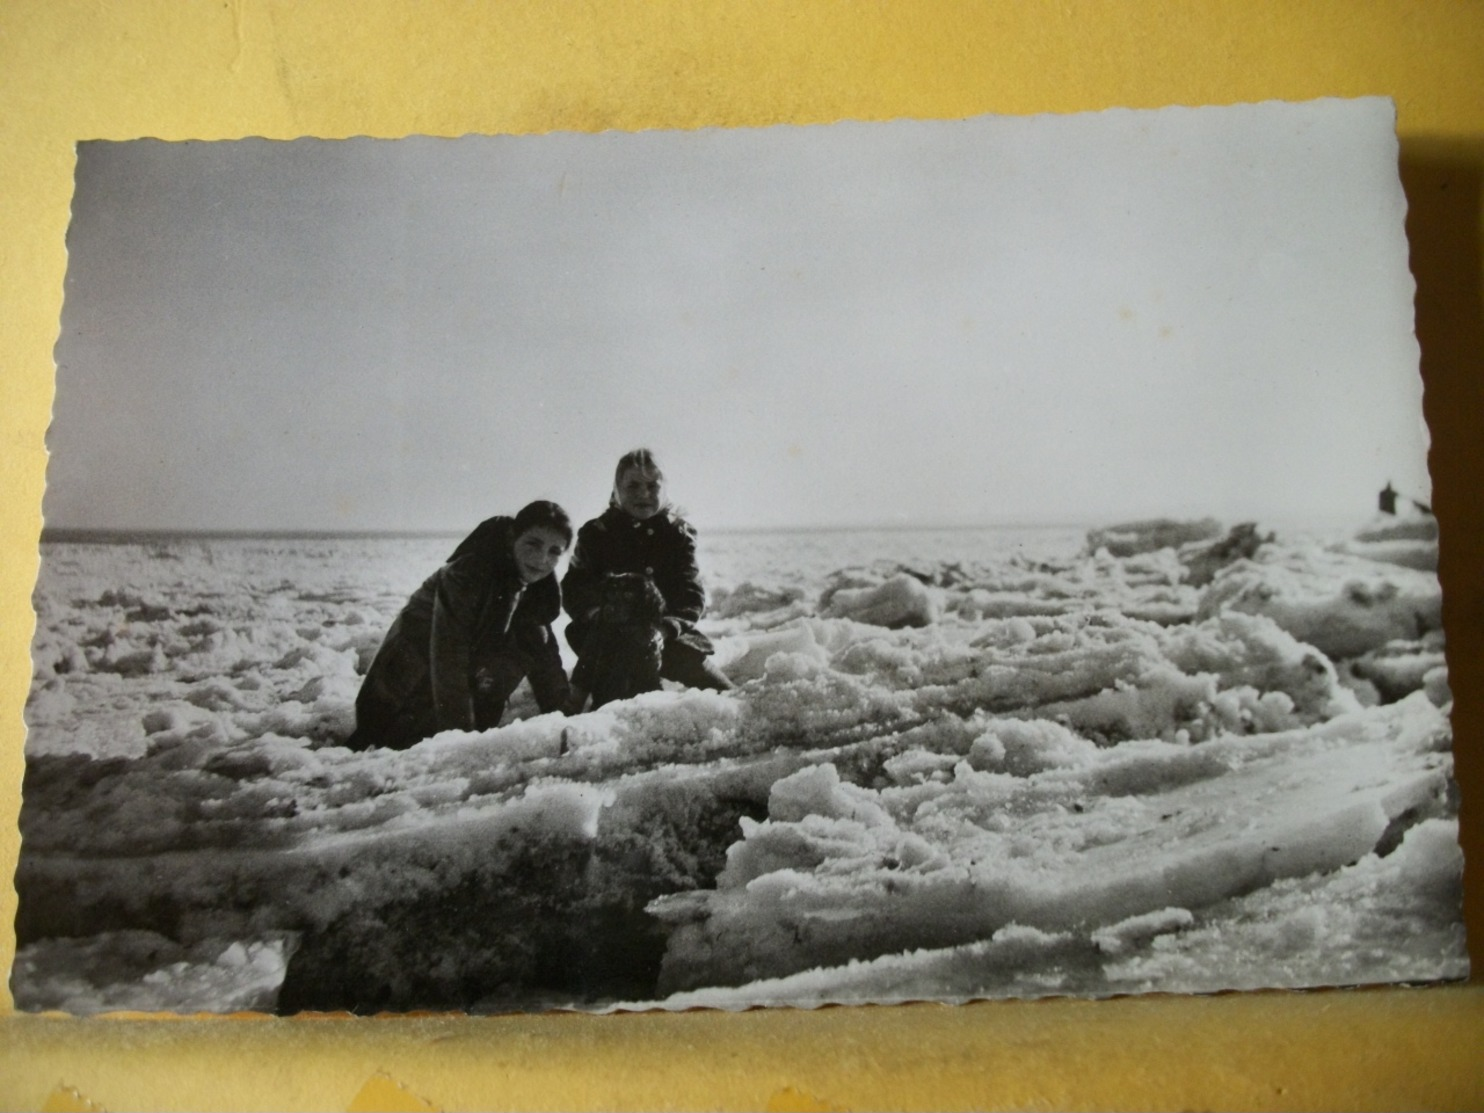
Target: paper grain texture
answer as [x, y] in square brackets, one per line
[72, 71]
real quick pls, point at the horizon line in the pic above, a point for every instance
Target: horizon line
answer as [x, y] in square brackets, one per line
[123, 533]
[126, 534]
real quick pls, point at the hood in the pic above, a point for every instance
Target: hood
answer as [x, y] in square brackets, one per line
[493, 540]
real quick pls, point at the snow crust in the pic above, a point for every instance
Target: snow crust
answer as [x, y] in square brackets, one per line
[978, 766]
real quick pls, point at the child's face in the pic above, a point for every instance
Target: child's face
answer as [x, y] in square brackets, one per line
[641, 493]
[537, 552]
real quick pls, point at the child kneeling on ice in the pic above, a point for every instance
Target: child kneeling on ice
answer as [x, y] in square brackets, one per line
[470, 634]
[634, 593]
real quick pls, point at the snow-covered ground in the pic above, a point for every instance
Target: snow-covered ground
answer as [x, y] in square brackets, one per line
[1165, 756]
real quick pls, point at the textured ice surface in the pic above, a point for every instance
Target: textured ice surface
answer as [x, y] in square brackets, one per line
[957, 764]
[1072, 840]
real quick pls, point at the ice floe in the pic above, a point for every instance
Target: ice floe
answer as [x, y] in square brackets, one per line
[1164, 756]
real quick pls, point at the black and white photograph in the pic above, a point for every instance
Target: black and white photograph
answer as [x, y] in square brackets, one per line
[855, 563]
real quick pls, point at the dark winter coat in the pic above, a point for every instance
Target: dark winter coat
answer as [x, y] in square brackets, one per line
[662, 548]
[461, 644]
[624, 651]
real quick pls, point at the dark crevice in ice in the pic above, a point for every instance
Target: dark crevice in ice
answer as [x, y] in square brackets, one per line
[552, 922]
[1434, 807]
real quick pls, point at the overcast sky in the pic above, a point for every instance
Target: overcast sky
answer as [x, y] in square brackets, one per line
[1060, 319]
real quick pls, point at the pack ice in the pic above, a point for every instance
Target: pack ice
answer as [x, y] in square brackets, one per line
[1169, 756]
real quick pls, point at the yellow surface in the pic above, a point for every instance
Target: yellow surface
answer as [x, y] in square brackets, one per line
[73, 70]
[64, 1099]
[383, 1094]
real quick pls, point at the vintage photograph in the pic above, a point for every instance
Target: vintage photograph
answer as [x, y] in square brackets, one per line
[867, 562]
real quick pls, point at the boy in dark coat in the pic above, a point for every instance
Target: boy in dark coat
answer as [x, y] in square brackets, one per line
[470, 634]
[641, 537]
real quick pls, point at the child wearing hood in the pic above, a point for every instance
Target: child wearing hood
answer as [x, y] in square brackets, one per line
[469, 635]
[634, 594]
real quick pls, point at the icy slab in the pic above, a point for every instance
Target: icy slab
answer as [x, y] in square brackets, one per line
[1408, 541]
[144, 971]
[1406, 527]
[903, 600]
[1132, 538]
[1094, 839]
[1385, 918]
[1339, 603]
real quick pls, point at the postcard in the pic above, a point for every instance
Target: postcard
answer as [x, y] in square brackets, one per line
[868, 562]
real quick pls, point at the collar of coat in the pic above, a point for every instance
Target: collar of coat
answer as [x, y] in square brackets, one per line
[617, 518]
[493, 543]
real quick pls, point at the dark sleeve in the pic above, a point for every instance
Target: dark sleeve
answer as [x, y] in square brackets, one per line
[455, 611]
[548, 679]
[685, 598]
[580, 591]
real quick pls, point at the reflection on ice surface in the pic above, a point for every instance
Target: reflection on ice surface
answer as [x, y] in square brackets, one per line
[959, 763]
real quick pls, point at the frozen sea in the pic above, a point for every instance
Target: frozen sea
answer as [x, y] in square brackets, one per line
[959, 763]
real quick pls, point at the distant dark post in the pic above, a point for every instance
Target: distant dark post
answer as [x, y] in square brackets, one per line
[1388, 499]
